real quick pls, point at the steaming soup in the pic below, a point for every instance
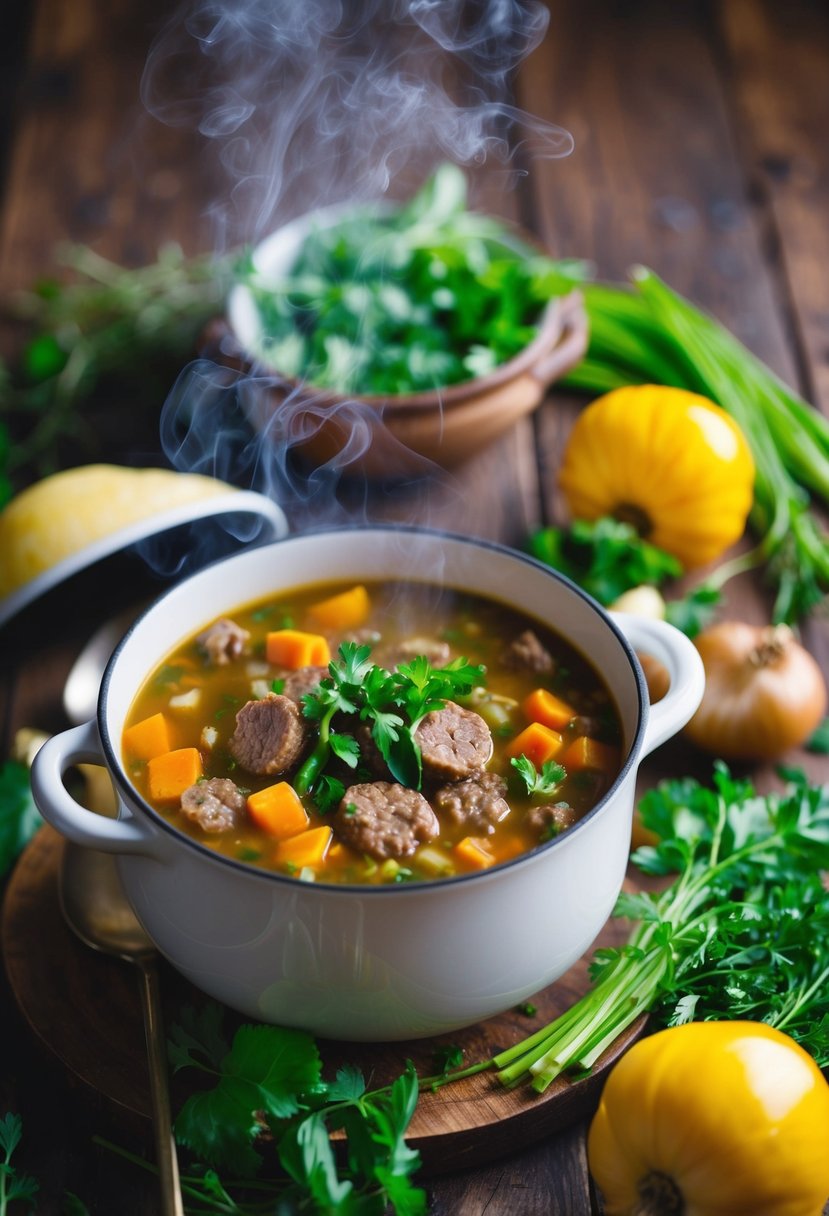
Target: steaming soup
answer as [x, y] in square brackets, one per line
[448, 734]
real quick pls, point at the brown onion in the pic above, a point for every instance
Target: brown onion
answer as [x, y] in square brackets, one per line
[764, 693]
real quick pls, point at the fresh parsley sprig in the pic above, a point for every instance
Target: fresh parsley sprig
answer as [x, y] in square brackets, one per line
[541, 784]
[268, 1095]
[741, 932]
[393, 702]
[13, 1185]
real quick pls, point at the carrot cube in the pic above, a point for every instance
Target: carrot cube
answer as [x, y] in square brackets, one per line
[347, 610]
[294, 649]
[548, 709]
[585, 752]
[537, 742]
[170, 774]
[278, 810]
[148, 738]
[307, 849]
[474, 853]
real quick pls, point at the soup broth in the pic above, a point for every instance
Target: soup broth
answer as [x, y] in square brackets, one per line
[245, 740]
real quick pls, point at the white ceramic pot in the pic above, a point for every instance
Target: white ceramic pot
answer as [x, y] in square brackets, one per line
[372, 963]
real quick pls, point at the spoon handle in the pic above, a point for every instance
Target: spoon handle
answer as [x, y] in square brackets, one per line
[165, 1145]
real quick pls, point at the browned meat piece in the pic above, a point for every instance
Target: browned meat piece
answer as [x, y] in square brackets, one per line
[477, 803]
[385, 820]
[454, 742]
[303, 681]
[269, 736]
[550, 819]
[528, 652]
[223, 641]
[435, 650]
[214, 805]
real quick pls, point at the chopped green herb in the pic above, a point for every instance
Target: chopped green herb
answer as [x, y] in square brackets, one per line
[328, 793]
[543, 785]
[527, 1009]
[393, 702]
[447, 1058]
[169, 674]
[277, 686]
[351, 808]
[248, 854]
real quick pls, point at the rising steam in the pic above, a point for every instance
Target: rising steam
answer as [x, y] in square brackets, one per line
[306, 103]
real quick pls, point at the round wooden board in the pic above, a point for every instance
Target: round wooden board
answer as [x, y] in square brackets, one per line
[85, 1007]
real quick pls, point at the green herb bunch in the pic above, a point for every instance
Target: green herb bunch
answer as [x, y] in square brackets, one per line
[741, 932]
[101, 320]
[392, 702]
[260, 1130]
[607, 557]
[404, 300]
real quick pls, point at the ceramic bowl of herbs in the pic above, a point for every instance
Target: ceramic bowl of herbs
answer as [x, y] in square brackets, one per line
[384, 337]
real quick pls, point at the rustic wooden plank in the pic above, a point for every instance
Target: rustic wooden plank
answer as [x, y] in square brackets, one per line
[779, 61]
[550, 1180]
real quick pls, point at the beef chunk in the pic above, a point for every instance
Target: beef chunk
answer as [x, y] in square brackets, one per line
[550, 819]
[370, 753]
[303, 681]
[385, 820]
[269, 736]
[476, 804]
[214, 805]
[528, 652]
[223, 641]
[455, 742]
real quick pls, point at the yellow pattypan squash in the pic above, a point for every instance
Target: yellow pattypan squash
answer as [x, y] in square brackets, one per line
[668, 461]
[713, 1119]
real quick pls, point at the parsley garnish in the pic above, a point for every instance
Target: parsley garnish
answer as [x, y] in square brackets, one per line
[543, 785]
[447, 1058]
[819, 742]
[393, 702]
[268, 1096]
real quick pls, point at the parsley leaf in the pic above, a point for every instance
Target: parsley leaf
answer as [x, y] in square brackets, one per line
[543, 784]
[819, 742]
[392, 702]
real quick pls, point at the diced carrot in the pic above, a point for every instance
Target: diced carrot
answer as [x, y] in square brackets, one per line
[278, 810]
[545, 707]
[537, 742]
[148, 738]
[170, 774]
[307, 849]
[585, 752]
[347, 610]
[474, 853]
[294, 649]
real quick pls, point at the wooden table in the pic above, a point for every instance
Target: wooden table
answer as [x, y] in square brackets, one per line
[700, 151]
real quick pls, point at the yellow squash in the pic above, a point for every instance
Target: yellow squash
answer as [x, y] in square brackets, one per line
[713, 1119]
[668, 461]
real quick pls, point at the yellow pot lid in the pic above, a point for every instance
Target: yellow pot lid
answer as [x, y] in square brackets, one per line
[71, 520]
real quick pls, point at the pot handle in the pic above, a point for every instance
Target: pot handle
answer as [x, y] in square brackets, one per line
[82, 744]
[681, 658]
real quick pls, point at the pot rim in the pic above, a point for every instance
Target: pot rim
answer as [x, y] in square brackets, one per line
[133, 798]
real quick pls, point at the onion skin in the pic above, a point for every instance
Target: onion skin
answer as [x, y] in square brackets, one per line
[764, 693]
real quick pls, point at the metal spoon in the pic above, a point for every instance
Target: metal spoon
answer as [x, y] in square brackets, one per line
[95, 907]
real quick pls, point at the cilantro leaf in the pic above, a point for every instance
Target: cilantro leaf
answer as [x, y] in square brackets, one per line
[693, 612]
[15, 1186]
[198, 1032]
[819, 742]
